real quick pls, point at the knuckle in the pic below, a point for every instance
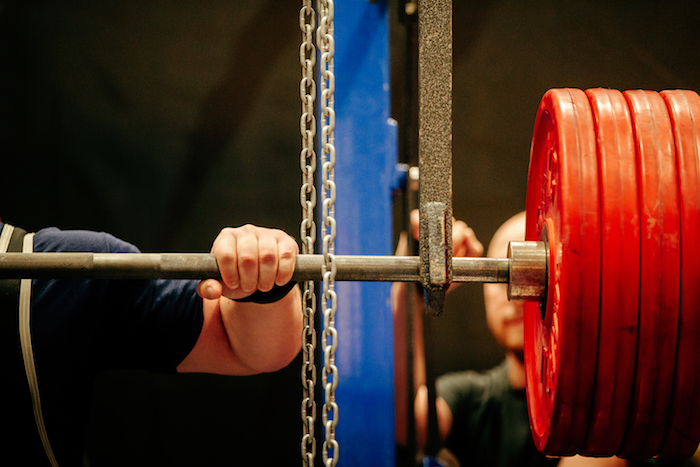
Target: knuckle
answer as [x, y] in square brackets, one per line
[287, 255]
[243, 230]
[268, 256]
[225, 256]
[247, 259]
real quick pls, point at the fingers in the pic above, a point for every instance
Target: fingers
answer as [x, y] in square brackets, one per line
[464, 241]
[225, 251]
[267, 265]
[415, 224]
[402, 245]
[287, 251]
[251, 258]
[247, 254]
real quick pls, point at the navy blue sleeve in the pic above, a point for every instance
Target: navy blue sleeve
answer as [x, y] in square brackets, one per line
[112, 324]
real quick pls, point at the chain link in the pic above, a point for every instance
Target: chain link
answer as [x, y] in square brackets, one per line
[326, 44]
[307, 123]
[307, 91]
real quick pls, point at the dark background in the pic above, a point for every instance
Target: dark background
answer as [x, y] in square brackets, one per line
[162, 121]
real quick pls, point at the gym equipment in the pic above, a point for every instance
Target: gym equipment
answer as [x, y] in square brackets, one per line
[607, 269]
[612, 319]
[606, 371]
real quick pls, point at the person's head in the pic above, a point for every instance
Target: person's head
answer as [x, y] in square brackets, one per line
[504, 317]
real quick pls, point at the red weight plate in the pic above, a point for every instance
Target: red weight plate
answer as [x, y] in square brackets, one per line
[619, 284]
[660, 275]
[561, 334]
[683, 431]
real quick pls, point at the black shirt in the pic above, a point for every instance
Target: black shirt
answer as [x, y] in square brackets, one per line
[490, 422]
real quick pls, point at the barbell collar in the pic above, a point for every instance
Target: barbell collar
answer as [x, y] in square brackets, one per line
[527, 270]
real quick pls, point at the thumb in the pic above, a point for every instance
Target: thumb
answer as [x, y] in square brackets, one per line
[210, 289]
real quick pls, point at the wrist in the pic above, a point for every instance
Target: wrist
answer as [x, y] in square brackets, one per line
[278, 292]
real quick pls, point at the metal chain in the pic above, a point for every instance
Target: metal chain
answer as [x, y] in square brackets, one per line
[326, 44]
[307, 92]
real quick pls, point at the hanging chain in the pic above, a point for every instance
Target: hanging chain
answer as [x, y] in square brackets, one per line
[326, 44]
[307, 92]
[307, 57]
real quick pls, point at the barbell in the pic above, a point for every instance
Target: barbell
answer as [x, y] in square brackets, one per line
[612, 311]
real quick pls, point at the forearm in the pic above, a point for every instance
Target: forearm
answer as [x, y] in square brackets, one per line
[444, 416]
[407, 307]
[263, 338]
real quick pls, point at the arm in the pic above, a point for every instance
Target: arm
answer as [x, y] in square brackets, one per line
[444, 416]
[243, 338]
[464, 243]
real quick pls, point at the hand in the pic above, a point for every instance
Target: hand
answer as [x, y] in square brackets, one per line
[250, 258]
[464, 241]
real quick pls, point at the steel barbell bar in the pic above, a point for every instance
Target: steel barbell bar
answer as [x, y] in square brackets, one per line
[527, 267]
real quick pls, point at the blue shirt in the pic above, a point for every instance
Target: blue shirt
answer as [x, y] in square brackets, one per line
[81, 327]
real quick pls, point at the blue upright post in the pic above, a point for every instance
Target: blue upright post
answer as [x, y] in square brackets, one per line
[366, 149]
